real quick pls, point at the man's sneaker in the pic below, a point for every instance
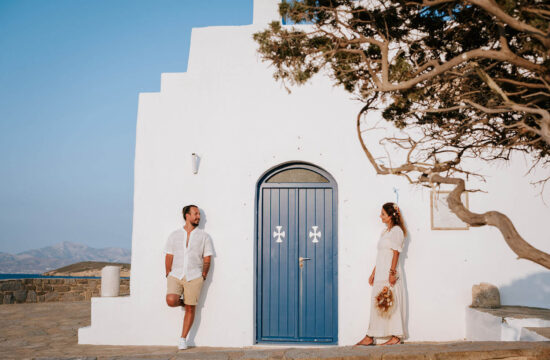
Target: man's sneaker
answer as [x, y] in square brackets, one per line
[182, 344]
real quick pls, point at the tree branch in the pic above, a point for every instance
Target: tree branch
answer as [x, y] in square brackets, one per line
[491, 7]
[493, 218]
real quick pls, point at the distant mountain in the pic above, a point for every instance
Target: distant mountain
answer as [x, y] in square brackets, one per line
[58, 255]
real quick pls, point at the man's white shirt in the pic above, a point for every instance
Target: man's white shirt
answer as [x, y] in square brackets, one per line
[188, 260]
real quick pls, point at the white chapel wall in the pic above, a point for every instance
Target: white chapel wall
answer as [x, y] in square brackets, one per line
[228, 109]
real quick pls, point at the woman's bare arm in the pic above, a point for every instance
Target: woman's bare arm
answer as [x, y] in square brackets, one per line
[393, 275]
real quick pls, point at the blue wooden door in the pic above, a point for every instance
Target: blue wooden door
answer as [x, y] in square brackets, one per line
[297, 258]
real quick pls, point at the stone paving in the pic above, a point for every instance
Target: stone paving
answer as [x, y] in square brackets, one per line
[49, 331]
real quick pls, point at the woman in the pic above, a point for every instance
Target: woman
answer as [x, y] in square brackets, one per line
[387, 315]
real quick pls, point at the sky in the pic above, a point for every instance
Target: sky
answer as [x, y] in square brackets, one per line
[70, 75]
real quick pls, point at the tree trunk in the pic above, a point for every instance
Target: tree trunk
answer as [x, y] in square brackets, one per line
[522, 248]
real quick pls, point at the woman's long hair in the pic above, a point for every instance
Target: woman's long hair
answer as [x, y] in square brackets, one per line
[394, 213]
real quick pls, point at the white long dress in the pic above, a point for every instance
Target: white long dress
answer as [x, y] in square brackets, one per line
[392, 322]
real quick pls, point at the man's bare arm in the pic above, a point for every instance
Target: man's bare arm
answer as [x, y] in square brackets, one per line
[168, 263]
[206, 266]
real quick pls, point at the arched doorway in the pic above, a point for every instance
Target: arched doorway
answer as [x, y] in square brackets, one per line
[296, 256]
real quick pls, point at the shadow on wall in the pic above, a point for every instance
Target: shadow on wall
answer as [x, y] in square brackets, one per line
[204, 220]
[533, 290]
[198, 310]
[403, 258]
[198, 318]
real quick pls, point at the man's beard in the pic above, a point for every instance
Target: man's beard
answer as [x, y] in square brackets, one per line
[196, 223]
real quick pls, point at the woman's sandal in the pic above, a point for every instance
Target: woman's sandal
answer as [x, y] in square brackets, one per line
[393, 341]
[360, 343]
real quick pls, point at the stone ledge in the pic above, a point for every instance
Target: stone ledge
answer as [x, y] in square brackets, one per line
[505, 324]
[535, 334]
[518, 312]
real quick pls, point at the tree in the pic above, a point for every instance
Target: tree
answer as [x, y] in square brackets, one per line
[461, 79]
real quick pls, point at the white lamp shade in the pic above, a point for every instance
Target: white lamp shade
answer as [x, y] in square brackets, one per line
[195, 159]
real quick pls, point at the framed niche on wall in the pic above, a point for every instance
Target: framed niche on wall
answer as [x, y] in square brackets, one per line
[442, 218]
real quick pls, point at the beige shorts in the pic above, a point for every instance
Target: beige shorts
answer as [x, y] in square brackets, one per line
[191, 290]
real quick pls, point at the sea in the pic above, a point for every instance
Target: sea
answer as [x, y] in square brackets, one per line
[39, 276]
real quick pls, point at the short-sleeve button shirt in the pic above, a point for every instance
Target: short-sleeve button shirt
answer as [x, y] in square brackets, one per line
[188, 260]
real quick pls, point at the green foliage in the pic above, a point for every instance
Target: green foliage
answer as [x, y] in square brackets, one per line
[349, 38]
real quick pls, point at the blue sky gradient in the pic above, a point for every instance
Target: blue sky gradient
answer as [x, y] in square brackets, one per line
[70, 74]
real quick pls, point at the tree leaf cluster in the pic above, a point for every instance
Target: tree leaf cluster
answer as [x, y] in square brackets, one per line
[472, 75]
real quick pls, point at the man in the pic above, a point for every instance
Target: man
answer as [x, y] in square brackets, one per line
[188, 254]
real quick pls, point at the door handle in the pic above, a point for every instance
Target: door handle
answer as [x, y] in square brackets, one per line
[301, 260]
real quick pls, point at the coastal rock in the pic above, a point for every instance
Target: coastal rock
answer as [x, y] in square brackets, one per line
[11, 286]
[8, 299]
[20, 296]
[31, 296]
[485, 295]
[52, 296]
[53, 290]
[88, 268]
[62, 288]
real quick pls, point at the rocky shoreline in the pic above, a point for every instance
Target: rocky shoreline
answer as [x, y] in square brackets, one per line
[88, 268]
[85, 273]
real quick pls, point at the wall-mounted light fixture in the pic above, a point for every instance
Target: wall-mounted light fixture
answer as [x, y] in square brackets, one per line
[195, 160]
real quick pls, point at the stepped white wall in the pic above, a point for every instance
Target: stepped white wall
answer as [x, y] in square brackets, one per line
[228, 109]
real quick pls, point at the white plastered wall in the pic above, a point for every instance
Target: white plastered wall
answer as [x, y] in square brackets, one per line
[228, 109]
